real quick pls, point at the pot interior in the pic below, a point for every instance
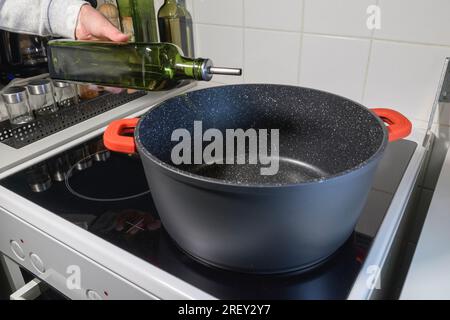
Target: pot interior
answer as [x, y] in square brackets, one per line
[320, 135]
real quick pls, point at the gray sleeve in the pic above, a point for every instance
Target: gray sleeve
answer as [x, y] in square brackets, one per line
[42, 17]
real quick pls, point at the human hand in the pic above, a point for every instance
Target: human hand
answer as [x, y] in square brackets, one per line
[92, 25]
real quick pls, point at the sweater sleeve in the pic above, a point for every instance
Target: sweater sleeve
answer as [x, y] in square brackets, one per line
[42, 17]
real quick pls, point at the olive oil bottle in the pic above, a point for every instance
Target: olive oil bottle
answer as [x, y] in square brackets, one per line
[144, 21]
[145, 66]
[175, 26]
[126, 18]
[138, 20]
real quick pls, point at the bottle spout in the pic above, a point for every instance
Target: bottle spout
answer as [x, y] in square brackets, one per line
[208, 70]
[225, 71]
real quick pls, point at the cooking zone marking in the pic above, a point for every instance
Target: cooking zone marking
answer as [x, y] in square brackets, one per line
[190, 149]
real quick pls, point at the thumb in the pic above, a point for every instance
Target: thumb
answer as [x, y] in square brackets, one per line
[110, 32]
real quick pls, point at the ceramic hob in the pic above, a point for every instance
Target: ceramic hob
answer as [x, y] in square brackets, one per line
[108, 197]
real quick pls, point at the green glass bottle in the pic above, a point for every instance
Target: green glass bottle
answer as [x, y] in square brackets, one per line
[126, 18]
[145, 66]
[138, 19]
[175, 26]
[144, 21]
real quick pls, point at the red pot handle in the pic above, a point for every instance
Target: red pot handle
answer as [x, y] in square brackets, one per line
[399, 126]
[115, 139]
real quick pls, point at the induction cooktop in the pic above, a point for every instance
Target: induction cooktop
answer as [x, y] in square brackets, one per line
[107, 194]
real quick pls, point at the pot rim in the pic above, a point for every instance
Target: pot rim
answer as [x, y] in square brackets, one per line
[195, 178]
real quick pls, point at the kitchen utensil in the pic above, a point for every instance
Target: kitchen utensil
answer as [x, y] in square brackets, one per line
[231, 216]
[17, 105]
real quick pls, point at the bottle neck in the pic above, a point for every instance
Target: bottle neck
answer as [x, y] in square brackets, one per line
[196, 69]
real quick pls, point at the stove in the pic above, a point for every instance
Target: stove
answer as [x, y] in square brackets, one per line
[93, 232]
[108, 197]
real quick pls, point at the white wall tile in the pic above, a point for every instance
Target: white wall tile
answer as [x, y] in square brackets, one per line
[223, 45]
[271, 56]
[415, 20]
[226, 12]
[334, 64]
[158, 4]
[190, 7]
[404, 77]
[276, 15]
[337, 17]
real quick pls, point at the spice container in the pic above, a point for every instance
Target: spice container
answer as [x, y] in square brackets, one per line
[65, 93]
[42, 97]
[17, 105]
[86, 93]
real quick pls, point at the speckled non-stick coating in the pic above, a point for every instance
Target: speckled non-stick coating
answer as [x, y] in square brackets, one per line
[321, 135]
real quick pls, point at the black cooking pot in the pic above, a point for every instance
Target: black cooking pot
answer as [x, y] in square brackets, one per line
[232, 215]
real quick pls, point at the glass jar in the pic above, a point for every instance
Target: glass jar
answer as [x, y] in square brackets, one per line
[86, 93]
[65, 93]
[17, 105]
[42, 97]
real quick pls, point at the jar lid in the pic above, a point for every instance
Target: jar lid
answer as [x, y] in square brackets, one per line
[61, 84]
[41, 86]
[13, 95]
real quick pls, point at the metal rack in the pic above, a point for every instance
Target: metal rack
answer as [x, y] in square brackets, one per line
[69, 115]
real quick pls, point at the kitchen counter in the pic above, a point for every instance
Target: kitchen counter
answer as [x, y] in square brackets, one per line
[428, 276]
[12, 160]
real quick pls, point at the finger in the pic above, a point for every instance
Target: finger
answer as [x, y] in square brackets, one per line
[117, 36]
[108, 31]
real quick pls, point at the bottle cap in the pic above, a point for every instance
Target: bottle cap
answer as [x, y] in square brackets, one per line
[14, 95]
[61, 84]
[41, 86]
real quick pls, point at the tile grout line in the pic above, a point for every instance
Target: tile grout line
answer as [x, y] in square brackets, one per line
[195, 27]
[426, 121]
[300, 53]
[353, 37]
[244, 64]
[369, 58]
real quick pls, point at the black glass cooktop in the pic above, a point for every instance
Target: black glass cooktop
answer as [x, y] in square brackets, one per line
[107, 194]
